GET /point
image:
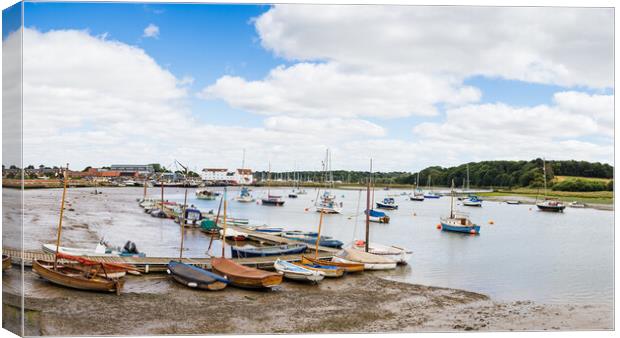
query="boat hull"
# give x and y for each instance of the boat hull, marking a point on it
(195, 277)
(347, 267)
(245, 277)
(331, 273)
(257, 252)
(386, 206)
(368, 266)
(473, 229)
(272, 203)
(72, 278)
(416, 198)
(551, 208)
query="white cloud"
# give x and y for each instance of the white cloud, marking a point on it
(330, 128)
(313, 90)
(151, 31)
(498, 131)
(564, 46)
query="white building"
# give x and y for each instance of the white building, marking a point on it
(224, 176)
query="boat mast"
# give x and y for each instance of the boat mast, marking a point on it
(224, 220)
(368, 207)
(183, 209)
(62, 210)
(144, 198)
(545, 177)
(243, 169)
(452, 200)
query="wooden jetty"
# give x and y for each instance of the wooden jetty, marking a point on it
(153, 264)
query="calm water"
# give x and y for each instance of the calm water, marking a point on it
(525, 254)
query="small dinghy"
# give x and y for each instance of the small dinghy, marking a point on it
(400, 255)
(243, 276)
(370, 261)
(513, 202)
(347, 267)
(576, 204)
(328, 270)
(195, 277)
(296, 272)
(74, 276)
(279, 250)
(378, 216)
(472, 201)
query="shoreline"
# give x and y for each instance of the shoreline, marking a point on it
(358, 303)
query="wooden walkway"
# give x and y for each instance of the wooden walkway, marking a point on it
(155, 264)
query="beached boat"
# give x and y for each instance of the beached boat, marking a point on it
(74, 277)
(243, 276)
(192, 217)
(297, 272)
(328, 270)
(6, 262)
(309, 239)
(100, 250)
(395, 253)
(472, 201)
(205, 194)
(458, 221)
(278, 250)
(387, 203)
(513, 202)
(370, 261)
(549, 204)
(195, 277)
(378, 216)
(347, 267)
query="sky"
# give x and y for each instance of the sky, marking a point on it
(409, 86)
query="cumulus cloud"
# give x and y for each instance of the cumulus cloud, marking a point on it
(496, 131)
(564, 46)
(151, 31)
(399, 61)
(307, 89)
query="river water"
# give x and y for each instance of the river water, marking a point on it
(525, 254)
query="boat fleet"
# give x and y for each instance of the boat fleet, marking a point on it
(75, 268)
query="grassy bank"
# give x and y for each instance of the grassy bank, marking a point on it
(597, 197)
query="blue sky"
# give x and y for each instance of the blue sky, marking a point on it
(212, 42)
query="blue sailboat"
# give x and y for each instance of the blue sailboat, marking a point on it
(457, 221)
(378, 216)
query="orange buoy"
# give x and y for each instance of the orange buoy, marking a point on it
(306, 209)
(438, 226)
(472, 231)
(414, 214)
(491, 222)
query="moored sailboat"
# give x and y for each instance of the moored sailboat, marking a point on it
(549, 204)
(457, 221)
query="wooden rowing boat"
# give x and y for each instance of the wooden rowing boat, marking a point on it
(328, 271)
(347, 267)
(297, 272)
(6, 262)
(243, 276)
(76, 278)
(195, 277)
(370, 261)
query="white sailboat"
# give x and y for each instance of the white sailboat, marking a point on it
(244, 194)
(327, 203)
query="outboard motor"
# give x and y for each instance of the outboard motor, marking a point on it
(130, 247)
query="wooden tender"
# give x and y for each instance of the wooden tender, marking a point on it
(348, 267)
(76, 278)
(243, 276)
(6, 262)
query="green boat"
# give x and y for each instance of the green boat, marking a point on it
(205, 195)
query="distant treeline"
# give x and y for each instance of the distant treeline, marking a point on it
(481, 174)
